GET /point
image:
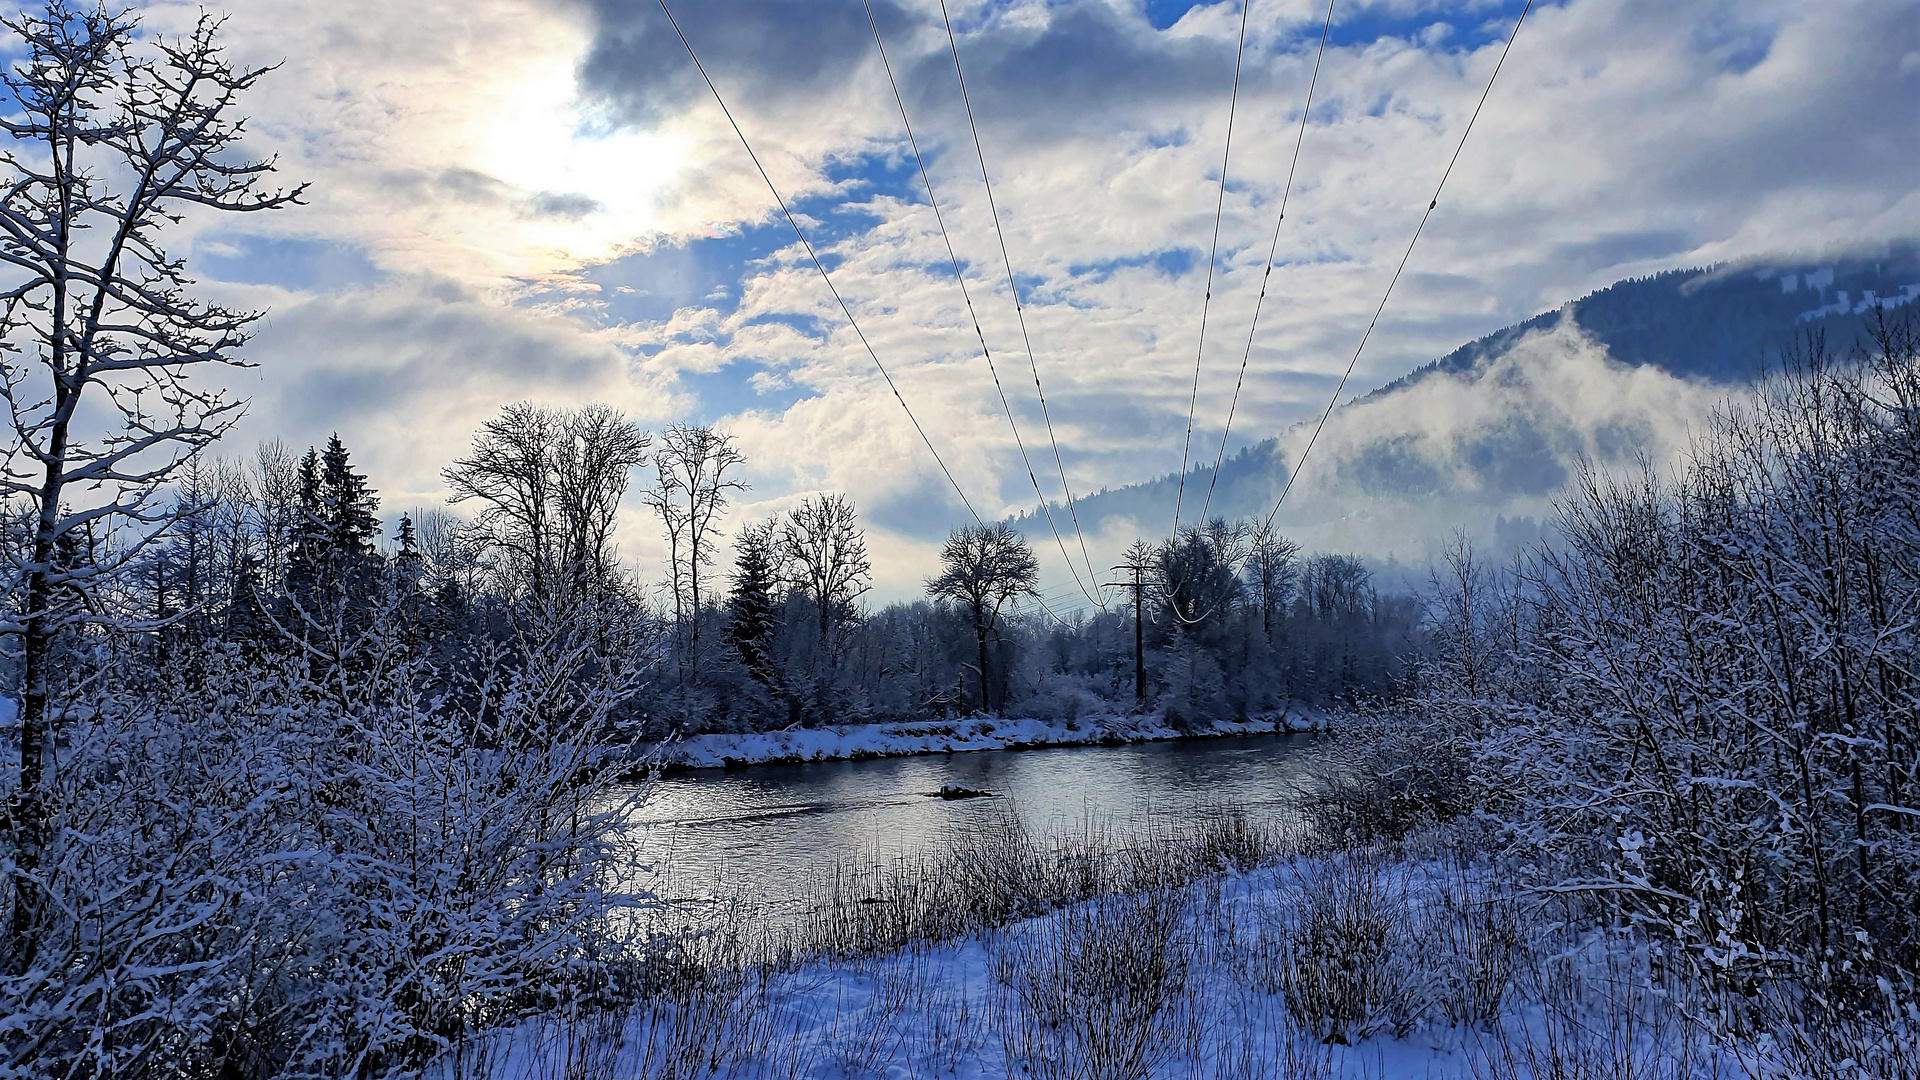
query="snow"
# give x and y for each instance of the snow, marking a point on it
(952, 1010)
(860, 741)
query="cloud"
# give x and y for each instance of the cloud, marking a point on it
(544, 202)
(1391, 474)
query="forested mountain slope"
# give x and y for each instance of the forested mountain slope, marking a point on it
(1493, 428)
(1720, 323)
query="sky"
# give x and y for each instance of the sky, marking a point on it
(540, 200)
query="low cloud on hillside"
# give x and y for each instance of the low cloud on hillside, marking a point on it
(1502, 440)
(1392, 475)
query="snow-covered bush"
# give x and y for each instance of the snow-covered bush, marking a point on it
(275, 869)
(1099, 990)
(1383, 775)
(1714, 732)
(1343, 960)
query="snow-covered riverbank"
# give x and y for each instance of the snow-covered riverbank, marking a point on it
(1318, 968)
(854, 742)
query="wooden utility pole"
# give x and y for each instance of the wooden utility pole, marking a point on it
(1139, 641)
(1137, 564)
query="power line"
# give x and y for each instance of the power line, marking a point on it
(824, 276)
(1272, 249)
(1019, 309)
(1199, 351)
(967, 295)
(1431, 205)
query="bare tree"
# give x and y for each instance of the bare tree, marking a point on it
(1272, 570)
(113, 138)
(549, 483)
(1462, 594)
(984, 569)
(510, 474)
(275, 493)
(827, 556)
(689, 494)
(593, 461)
(453, 555)
(1337, 585)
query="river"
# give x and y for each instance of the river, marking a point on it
(765, 834)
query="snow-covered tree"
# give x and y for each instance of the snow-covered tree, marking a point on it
(111, 139)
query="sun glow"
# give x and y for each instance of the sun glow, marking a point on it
(580, 191)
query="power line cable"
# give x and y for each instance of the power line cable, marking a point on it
(1272, 250)
(828, 278)
(967, 295)
(1431, 205)
(824, 276)
(1019, 309)
(1226, 154)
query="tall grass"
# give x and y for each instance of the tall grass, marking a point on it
(998, 871)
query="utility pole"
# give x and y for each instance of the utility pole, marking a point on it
(1136, 557)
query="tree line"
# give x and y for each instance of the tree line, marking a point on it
(285, 553)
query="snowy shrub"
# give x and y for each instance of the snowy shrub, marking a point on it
(1471, 937)
(1343, 959)
(1062, 697)
(265, 873)
(1099, 990)
(1602, 1014)
(1382, 776)
(1708, 722)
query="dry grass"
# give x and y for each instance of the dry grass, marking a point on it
(1099, 991)
(998, 871)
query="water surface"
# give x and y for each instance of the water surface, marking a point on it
(767, 833)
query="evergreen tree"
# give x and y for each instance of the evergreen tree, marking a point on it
(347, 504)
(408, 561)
(754, 605)
(243, 616)
(310, 531)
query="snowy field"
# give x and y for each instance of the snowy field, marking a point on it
(1316, 967)
(859, 741)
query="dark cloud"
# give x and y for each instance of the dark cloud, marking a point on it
(559, 206)
(1087, 63)
(755, 50)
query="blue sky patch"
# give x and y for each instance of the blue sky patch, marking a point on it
(288, 263)
(730, 391)
(710, 272)
(1164, 13)
(1171, 262)
(1449, 28)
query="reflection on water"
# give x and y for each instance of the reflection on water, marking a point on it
(764, 834)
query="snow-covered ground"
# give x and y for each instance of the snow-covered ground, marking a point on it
(860, 741)
(1204, 987)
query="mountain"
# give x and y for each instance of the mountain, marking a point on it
(1491, 432)
(1720, 323)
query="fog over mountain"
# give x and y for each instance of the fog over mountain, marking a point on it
(1486, 437)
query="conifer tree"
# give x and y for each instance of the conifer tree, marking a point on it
(408, 558)
(753, 605)
(309, 532)
(347, 504)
